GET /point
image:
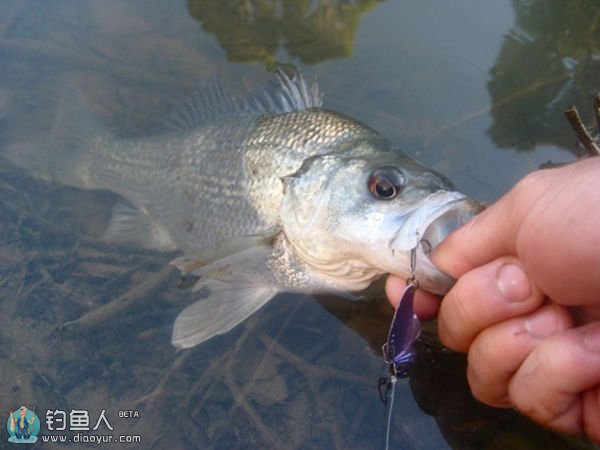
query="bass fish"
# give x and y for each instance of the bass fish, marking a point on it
(263, 193)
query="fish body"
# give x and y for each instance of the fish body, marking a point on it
(262, 194)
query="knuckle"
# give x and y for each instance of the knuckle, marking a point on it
(486, 388)
(531, 182)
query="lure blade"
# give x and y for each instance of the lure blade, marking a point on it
(404, 331)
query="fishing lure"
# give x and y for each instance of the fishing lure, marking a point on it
(398, 351)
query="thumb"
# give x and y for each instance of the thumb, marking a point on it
(550, 212)
(486, 237)
(492, 233)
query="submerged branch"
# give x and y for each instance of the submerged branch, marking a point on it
(104, 314)
(597, 111)
(581, 132)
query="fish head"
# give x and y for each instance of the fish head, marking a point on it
(356, 216)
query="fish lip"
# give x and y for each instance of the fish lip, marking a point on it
(458, 213)
(425, 239)
(414, 228)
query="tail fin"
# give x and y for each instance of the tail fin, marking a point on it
(66, 156)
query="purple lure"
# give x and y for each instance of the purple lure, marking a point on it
(398, 351)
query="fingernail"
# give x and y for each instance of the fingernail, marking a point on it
(591, 338)
(541, 324)
(513, 283)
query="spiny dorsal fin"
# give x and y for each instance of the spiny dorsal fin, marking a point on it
(283, 92)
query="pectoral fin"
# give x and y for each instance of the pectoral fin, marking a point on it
(235, 248)
(238, 280)
(226, 306)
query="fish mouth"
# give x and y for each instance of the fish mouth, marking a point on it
(426, 228)
(450, 218)
(446, 222)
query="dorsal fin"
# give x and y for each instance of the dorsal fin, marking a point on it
(283, 92)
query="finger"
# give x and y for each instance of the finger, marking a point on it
(591, 413)
(492, 233)
(426, 305)
(483, 297)
(527, 221)
(548, 385)
(498, 351)
(487, 236)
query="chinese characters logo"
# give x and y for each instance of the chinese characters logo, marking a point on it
(79, 420)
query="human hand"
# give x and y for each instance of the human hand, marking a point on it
(526, 306)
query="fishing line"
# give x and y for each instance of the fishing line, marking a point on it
(392, 382)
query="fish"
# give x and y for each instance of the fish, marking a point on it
(262, 193)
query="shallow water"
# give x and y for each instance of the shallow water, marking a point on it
(474, 91)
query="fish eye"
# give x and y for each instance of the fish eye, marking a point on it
(385, 183)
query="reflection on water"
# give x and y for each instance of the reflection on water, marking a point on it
(300, 373)
(550, 59)
(258, 30)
